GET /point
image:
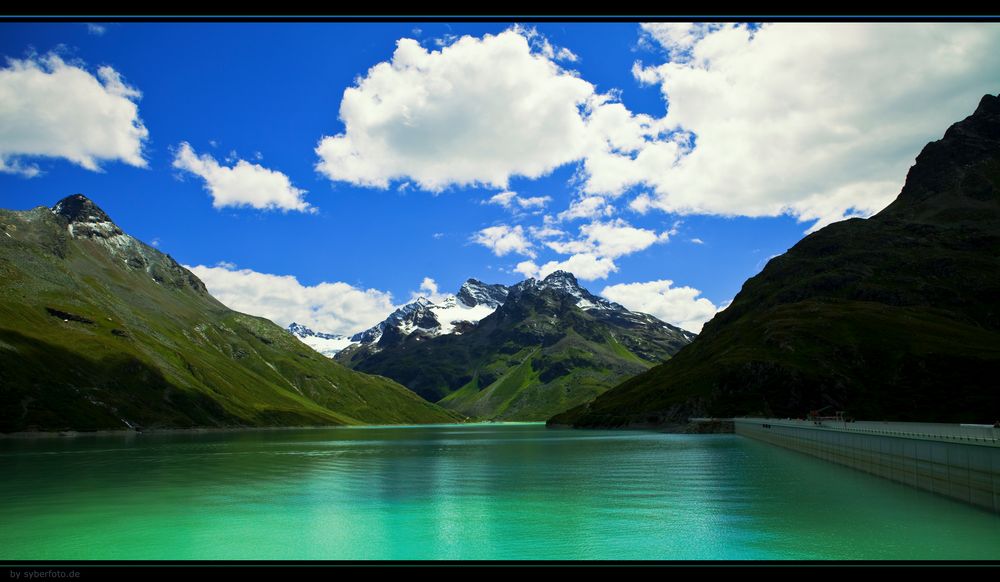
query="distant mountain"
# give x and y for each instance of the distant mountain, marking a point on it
(538, 348)
(896, 317)
(327, 344)
(101, 331)
(452, 315)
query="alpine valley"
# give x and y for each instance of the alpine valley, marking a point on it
(523, 352)
(101, 331)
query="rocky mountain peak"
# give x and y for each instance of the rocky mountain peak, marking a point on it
(475, 292)
(557, 276)
(562, 281)
(956, 179)
(79, 208)
(300, 330)
(988, 105)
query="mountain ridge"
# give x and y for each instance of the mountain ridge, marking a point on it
(101, 331)
(894, 317)
(549, 345)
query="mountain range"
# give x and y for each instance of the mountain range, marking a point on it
(101, 331)
(893, 317)
(522, 352)
(452, 314)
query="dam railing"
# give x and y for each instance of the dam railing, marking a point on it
(966, 433)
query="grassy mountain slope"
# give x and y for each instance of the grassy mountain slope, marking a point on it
(100, 331)
(896, 317)
(538, 354)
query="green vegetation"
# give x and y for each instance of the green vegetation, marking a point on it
(100, 331)
(537, 355)
(896, 317)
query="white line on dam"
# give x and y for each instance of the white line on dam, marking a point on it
(955, 460)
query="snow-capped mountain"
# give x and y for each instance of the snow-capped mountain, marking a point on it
(564, 283)
(327, 344)
(549, 345)
(452, 315)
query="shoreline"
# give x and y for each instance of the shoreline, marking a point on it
(69, 434)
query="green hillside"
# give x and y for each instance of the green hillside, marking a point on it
(100, 331)
(550, 346)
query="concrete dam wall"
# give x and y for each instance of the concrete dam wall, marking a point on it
(959, 461)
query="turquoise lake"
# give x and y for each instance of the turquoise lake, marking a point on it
(497, 492)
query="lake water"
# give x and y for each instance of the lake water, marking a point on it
(462, 492)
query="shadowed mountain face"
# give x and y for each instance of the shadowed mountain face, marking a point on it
(548, 346)
(100, 331)
(896, 317)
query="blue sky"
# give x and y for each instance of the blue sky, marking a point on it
(704, 150)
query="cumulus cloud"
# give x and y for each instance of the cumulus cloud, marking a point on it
(329, 307)
(95, 29)
(49, 108)
(586, 266)
(505, 199)
(476, 112)
(533, 202)
(587, 207)
(678, 38)
(428, 290)
(593, 251)
(610, 239)
(818, 120)
(680, 306)
(641, 204)
(547, 230)
(789, 118)
(243, 184)
(504, 239)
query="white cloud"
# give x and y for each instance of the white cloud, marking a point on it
(517, 204)
(678, 38)
(446, 40)
(328, 307)
(585, 266)
(15, 166)
(527, 268)
(815, 120)
(610, 239)
(505, 199)
(428, 290)
(541, 44)
(478, 111)
(680, 306)
(244, 184)
(587, 207)
(547, 230)
(503, 239)
(819, 120)
(593, 251)
(49, 108)
(534, 202)
(641, 204)
(697, 241)
(96, 29)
